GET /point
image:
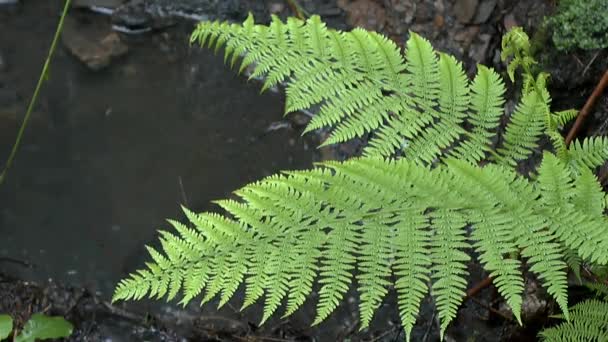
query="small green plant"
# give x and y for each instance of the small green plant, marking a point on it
(407, 214)
(38, 327)
(588, 319)
(580, 24)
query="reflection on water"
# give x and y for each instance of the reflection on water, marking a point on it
(109, 155)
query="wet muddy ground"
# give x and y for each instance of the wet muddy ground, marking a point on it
(111, 152)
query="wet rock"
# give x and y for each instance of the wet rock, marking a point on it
(364, 13)
(277, 7)
(299, 119)
(133, 17)
(97, 3)
(424, 12)
(8, 2)
(465, 10)
(93, 46)
(484, 11)
(400, 15)
(137, 16)
(3, 65)
(509, 21)
(467, 36)
(479, 51)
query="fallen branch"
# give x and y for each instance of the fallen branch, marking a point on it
(477, 288)
(296, 9)
(603, 83)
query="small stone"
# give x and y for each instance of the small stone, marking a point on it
(467, 35)
(97, 3)
(439, 21)
(277, 7)
(509, 21)
(479, 51)
(465, 10)
(364, 13)
(299, 119)
(3, 65)
(484, 11)
(92, 48)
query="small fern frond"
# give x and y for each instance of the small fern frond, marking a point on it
(557, 186)
(574, 262)
(516, 45)
(421, 81)
(590, 153)
(345, 72)
(588, 322)
(588, 196)
(486, 109)
(453, 101)
(563, 117)
(449, 248)
(600, 289)
(524, 130)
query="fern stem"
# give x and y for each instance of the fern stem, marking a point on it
(41, 79)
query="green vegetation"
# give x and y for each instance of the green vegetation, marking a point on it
(580, 24)
(408, 213)
(588, 319)
(39, 327)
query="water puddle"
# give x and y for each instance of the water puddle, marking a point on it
(110, 154)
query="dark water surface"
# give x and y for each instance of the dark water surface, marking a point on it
(109, 155)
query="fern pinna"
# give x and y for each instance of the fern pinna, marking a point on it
(405, 215)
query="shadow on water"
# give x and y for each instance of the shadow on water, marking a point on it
(110, 154)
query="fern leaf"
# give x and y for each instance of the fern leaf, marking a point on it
(422, 81)
(494, 225)
(453, 102)
(486, 106)
(524, 130)
(563, 117)
(557, 187)
(375, 267)
(589, 322)
(449, 271)
(411, 267)
(590, 153)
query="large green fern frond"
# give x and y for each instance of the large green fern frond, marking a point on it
(379, 217)
(375, 223)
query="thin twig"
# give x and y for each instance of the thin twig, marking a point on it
(296, 9)
(492, 310)
(41, 79)
(384, 334)
(590, 62)
(480, 286)
(428, 330)
(17, 261)
(181, 189)
(603, 83)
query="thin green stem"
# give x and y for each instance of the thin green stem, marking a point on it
(41, 79)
